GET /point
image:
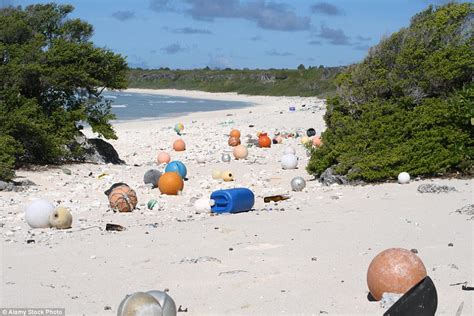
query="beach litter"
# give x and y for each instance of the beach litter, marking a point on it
(38, 212)
(122, 198)
(151, 177)
(163, 157)
(177, 166)
(225, 158)
(394, 270)
(310, 132)
(398, 279)
(152, 204)
(298, 184)
(151, 303)
(179, 145)
(275, 198)
(240, 152)
(60, 218)
(203, 205)
(403, 178)
(434, 188)
(420, 300)
(114, 227)
(170, 183)
(232, 200)
(289, 161)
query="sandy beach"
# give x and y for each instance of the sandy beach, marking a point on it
(307, 255)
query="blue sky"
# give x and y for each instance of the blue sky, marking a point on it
(252, 34)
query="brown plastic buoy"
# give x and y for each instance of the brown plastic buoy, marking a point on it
(394, 270)
(234, 141)
(123, 198)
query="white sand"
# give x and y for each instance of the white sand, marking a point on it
(306, 255)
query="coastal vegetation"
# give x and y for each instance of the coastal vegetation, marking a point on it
(408, 106)
(310, 81)
(50, 72)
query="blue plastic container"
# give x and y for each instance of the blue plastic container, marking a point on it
(177, 166)
(232, 200)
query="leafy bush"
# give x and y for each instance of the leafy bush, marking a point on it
(408, 105)
(51, 78)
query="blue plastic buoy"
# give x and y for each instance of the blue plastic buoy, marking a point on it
(177, 166)
(232, 200)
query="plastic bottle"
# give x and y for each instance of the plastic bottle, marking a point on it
(232, 200)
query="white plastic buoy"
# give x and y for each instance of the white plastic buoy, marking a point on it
(37, 213)
(289, 161)
(403, 178)
(203, 205)
(289, 150)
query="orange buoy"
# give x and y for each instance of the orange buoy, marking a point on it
(317, 141)
(179, 145)
(235, 133)
(170, 183)
(264, 140)
(394, 270)
(163, 157)
(123, 198)
(234, 141)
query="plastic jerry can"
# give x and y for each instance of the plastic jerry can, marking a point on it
(232, 200)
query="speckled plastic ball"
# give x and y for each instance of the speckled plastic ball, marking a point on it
(298, 184)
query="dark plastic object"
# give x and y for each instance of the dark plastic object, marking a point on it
(311, 132)
(420, 300)
(232, 200)
(113, 187)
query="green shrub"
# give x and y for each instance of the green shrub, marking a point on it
(408, 105)
(51, 79)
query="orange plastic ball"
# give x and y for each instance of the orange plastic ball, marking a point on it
(233, 141)
(170, 183)
(163, 157)
(394, 270)
(264, 140)
(235, 133)
(317, 141)
(179, 145)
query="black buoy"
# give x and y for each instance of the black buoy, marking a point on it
(420, 300)
(311, 132)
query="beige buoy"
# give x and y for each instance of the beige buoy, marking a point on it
(139, 304)
(216, 174)
(227, 176)
(240, 152)
(60, 218)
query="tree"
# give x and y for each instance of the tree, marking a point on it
(51, 79)
(407, 106)
(301, 67)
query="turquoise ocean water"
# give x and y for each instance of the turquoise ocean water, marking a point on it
(133, 106)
